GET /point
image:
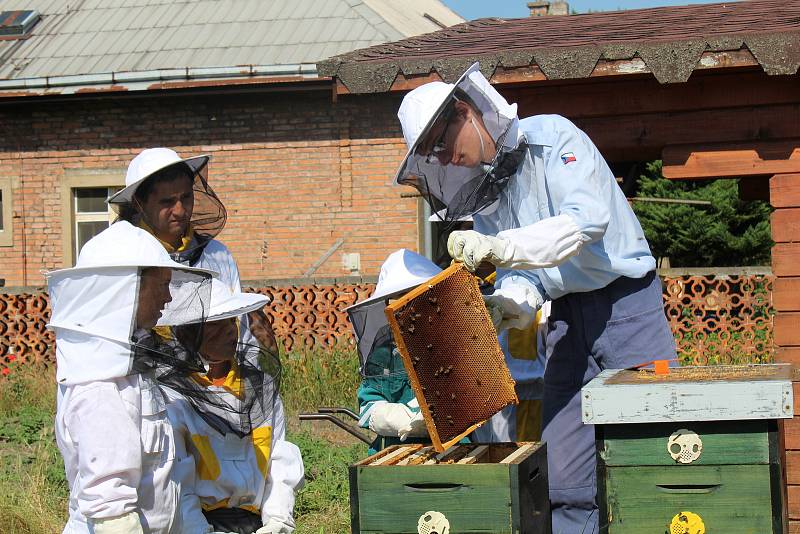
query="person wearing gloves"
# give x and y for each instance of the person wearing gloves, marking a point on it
(230, 419)
(549, 215)
(111, 425)
(386, 401)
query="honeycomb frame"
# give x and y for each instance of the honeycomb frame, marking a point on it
(459, 375)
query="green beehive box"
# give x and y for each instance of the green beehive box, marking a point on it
(700, 447)
(499, 488)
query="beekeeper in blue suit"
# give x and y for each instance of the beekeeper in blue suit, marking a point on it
(549, 215)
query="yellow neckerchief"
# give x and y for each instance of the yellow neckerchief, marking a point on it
(185, 240)
(232, 382)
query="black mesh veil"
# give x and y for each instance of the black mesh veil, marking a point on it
(208, 219)
(374, 339)
(457, 193)
(243, 401)
(187, 301)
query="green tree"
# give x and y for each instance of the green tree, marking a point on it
(729, 232)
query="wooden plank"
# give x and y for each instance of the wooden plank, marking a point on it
(732, 160)
(791, 433)
(786, 293)
(394, 456)
(416, 458)
(442, 455)
(794, 501)
(578, 99)
(786, 259)
(784, 190)
(639, 137)
(786, 331)
(794, 527)
(785, 224)
(474, 455)
(793, 467)
(788, 355)
(512, 458)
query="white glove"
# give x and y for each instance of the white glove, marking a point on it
(275, 526)
(415, 429)
(388, 418)
(124, 524)
(471, 248)
(513, 306)
(547, 243)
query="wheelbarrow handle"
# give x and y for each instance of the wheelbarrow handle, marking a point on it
(341, 424)
(338, 410)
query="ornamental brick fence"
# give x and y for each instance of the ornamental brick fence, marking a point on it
(717, 316)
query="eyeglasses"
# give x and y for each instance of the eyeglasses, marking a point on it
(438, 145)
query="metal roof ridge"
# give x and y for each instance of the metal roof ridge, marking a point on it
(305, 70)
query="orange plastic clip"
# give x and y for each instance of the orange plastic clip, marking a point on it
(661, 367)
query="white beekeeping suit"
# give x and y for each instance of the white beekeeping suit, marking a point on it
(111, 424)
(233, 425)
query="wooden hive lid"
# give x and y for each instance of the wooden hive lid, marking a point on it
(710, 393)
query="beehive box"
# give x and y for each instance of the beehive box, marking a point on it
(499, 489)
(451, 352)
(697, 446)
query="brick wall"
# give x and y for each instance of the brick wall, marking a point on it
(295, 171)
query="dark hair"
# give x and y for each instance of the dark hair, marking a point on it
(128, 211)
(167, 174)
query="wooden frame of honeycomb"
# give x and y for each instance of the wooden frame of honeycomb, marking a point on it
(451, 352)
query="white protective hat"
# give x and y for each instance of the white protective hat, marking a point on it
(94, 303)
(402, 270)
(226, 303)
(422, 106)
(147, 163)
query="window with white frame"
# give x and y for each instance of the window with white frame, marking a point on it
(84, 212)
(90, 213)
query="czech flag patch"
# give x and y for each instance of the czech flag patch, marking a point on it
(568, 157)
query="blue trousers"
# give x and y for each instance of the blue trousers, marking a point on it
(618, 326)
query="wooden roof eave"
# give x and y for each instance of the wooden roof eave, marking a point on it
(533, 73)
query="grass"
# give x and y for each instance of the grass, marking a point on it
(33, 488)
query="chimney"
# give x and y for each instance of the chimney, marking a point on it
(544, 8)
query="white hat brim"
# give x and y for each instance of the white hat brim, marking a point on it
(144, 265)
(238, 304)
(427, 128)
(124, 195)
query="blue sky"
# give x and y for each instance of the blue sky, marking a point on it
(475, 9)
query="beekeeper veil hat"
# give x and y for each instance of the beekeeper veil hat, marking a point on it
(112, 312)
(402, 271)
(458, 192)
(154, 164)
(245, 398)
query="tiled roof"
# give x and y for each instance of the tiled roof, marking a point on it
(670, 41)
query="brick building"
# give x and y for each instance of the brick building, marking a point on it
(83, 89)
